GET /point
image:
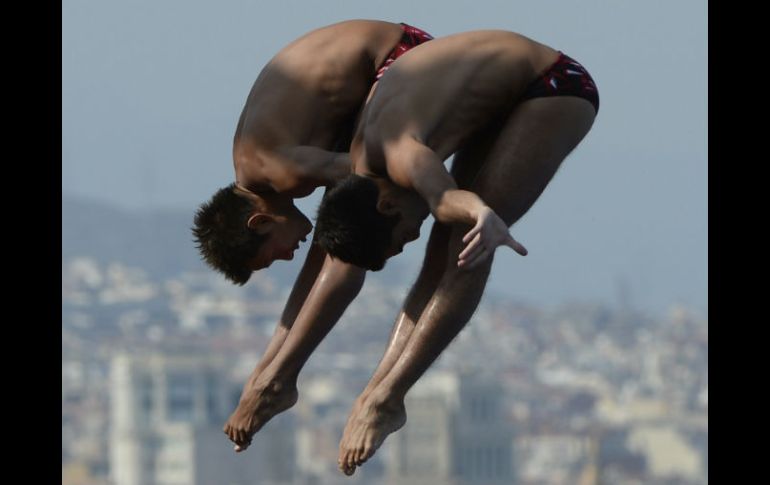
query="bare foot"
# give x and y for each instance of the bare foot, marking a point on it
(259, 403)
(357, 405)
(369, 423)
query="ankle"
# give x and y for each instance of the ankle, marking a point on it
(276, 383)
(385, 399)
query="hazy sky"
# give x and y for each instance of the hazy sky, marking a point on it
(152, 91)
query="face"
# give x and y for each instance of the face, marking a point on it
(411, 210)
(285, 227)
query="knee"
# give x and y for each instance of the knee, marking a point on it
(465, 277)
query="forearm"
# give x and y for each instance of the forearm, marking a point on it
(302, 286)
(322, 167)
(307, 277)
(457, 206)
(416, 166)
(335, 288)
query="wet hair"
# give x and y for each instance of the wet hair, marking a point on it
(349, 226)
(223, 237)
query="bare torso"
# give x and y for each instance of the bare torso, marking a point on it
(309, 94)
(441, 92)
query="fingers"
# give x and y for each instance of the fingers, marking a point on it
(476, 229)
(516, 245)
(476, 260)
(471, 247)
(477, 251)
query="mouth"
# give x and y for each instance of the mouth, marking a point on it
(287, 254)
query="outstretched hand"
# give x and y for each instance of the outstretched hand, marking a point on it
(489, 232)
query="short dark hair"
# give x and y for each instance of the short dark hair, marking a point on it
(222, 234)
(349, 226)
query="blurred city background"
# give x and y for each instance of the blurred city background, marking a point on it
(586, 362)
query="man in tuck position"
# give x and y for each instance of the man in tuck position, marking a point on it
(511, 110)
(292, 137)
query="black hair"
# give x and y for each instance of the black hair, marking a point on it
(221, 231)
(349, 226)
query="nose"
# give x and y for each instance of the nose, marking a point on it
(307, 230)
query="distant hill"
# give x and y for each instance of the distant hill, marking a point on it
(160, 242)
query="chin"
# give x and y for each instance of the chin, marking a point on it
(377, 266)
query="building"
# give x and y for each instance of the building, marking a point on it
(167, 414)
(456, 433)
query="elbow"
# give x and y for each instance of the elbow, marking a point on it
(440, 211)
(282, 185)
(436, 207)
(440, 216)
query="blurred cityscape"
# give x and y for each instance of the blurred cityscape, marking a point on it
(581, 393)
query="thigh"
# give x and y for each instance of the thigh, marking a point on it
(468, 160)
(526, 152)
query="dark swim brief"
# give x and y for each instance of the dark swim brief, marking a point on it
(565, 77)
(411, 37)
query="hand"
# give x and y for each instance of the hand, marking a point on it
(489, 232)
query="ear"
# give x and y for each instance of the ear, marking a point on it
(262, 223)
(386, 206)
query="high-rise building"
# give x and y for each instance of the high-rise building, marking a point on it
(167, 414)
(456, 434)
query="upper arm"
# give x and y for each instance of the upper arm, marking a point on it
(314, 165)
(412, 165)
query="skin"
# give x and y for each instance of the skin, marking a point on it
(292, 137)
(456, 94)
(303, 105)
